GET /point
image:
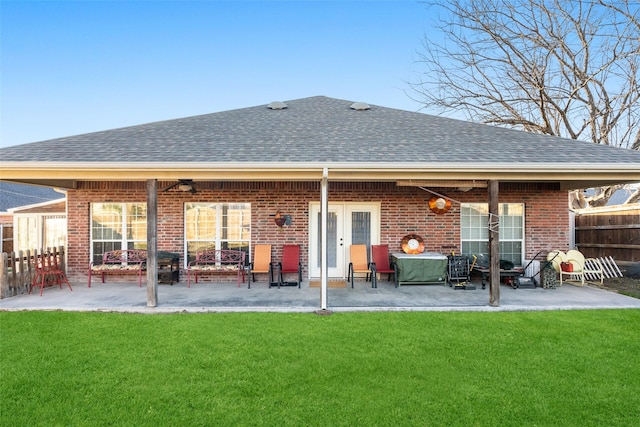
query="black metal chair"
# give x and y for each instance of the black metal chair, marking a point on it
(458, 269)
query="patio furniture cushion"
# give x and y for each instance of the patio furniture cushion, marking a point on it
(213, 267)
(261, 262)
(382, 264)
(101, 267)
(120, 261)
(217, 261)
(360, 264)
(290, 264)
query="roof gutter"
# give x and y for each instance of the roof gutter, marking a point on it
(570, 175)
(319, 166)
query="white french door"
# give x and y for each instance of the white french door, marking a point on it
(347, 224)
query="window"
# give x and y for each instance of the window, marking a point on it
(6, 232)
(217, 226)
(37, 231)
(474, 231)
(27, 233)
(55, 231)
(117, 226)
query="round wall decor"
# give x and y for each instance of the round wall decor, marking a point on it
(412, 244)
(439, 205)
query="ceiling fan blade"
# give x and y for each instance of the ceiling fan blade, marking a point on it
(171, 186)
(183, 182)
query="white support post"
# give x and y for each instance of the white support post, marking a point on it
(324, 266)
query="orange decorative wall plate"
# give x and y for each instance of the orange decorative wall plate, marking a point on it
(412, 244)
(439, 205)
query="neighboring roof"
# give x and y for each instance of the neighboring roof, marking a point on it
(18, 195)
(316, 133)
(617, 198)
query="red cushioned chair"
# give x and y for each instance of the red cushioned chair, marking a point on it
(381, 263)
(290, 264)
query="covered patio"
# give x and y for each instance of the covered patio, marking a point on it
(228, 297)
(344, 173)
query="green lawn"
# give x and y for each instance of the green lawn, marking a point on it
(392, 368)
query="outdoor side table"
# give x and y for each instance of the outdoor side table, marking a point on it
(424, 268)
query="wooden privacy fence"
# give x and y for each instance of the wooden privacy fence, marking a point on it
(609, 232)
(18, 270)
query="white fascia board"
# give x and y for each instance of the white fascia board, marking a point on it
(502, 166)
(35, 205)
(309, 170)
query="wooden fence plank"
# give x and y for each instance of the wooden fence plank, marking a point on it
(17, 270)
(611, 232)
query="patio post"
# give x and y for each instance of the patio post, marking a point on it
(494, 247)
(152, 243)
(324, 266)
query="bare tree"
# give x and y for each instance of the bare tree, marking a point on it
(569, 68)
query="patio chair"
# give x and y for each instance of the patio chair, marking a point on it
(48, 272)
(261, 263)
(458, 269)
(360, 264)
(381, 263)
(290, 264)
(557, 258)
(582, 267)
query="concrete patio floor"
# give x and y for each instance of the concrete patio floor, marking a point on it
(227, 297)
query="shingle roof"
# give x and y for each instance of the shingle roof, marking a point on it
(15, 195)
(317, 129)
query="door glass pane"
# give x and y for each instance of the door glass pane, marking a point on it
(361, 228)
(332, 239)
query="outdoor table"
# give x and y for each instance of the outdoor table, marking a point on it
(510, 274)
(424, 268)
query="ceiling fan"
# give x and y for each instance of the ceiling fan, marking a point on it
(183, 185)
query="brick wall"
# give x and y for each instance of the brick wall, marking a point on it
(403, 210)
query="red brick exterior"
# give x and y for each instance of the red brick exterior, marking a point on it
(6, 219)
(403, 210)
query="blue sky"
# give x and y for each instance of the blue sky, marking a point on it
(71, 67)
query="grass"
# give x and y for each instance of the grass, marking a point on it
(393, 368)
